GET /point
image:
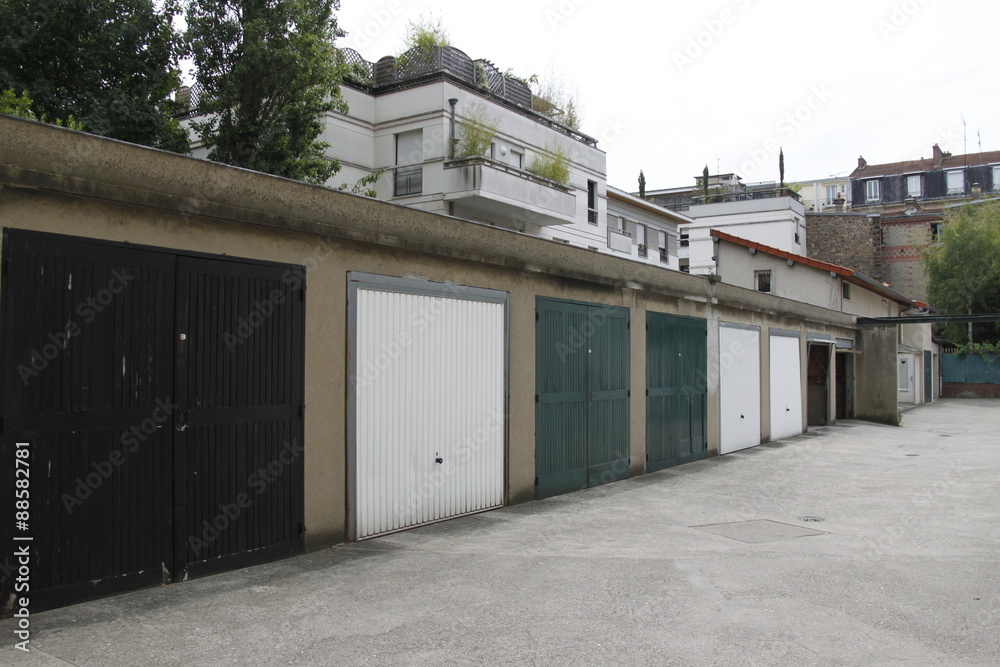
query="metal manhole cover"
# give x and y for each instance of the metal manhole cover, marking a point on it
(758, 530)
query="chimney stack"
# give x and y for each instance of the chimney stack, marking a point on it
(938, 156)
(861, 163)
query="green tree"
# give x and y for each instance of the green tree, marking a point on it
(13, 104)
(642, 185)
(268, 72)
(425, 33)
(112, 66)
(963, 271)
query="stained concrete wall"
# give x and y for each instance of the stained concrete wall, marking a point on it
(876, 375)
(65, 182)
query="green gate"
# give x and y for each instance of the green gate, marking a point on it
(676, 390)
(582, 396)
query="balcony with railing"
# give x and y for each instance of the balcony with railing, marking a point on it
(499, 190)
(421, 64)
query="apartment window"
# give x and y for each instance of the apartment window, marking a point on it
(832, 193)
(640, 238)
(762, 281)
(409, 174)
(685, 239)
(845, 290)
(592, 202)
(913, 188)
(935, 232)
(956, 182)
(872, 191)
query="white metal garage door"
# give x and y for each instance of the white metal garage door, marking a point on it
(428, 398)
(786, 385)
(739, 387)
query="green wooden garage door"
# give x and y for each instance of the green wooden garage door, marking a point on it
(676, 390)
(582, 396)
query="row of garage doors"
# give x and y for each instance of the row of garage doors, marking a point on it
(162, 394)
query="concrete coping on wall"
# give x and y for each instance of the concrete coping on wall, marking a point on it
(44, 157)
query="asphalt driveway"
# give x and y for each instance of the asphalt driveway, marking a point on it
(853, 545)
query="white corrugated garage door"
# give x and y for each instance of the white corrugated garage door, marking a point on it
(428, 398)
(739, 387)
(786, 385)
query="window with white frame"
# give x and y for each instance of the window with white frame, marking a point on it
(832, 192)
(996, 179)
(955, 182)
(409, 174)
(640, 238)
(872, 191)
(913, 186)
(762, 281)
(592, 202)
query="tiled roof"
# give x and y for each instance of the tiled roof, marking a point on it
(850, 275)
(927, 164)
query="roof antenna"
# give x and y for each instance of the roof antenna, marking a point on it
(965, 142)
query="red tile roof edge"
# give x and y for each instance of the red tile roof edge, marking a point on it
(847, 274)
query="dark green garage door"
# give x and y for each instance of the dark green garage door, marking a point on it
(676, 390)
(582, 396)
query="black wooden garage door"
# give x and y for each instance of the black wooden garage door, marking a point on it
(160, 396)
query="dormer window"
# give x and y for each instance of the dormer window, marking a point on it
(956, 182)
(872, 191)
(913, 188)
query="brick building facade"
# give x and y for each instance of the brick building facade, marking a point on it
(885, 247)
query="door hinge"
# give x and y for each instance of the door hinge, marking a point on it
(536, 315)
(647, 392)
(302, 411)
(302, 294)
(628, 394)
(302, 529)
(6, 265)
(536, 398)
(536, 481)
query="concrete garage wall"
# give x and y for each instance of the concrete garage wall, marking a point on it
(876, 383)
(59, 181)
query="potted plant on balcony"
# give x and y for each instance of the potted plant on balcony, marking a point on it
(479, 127)
(552, 164)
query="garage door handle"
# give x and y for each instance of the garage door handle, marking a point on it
(439, 460)
(788, 409)
(742, 417)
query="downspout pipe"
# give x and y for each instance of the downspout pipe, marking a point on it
(451, 146)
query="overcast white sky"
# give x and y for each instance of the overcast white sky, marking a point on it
(672, 86)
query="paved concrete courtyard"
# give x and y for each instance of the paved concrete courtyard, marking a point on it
(718, 562)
